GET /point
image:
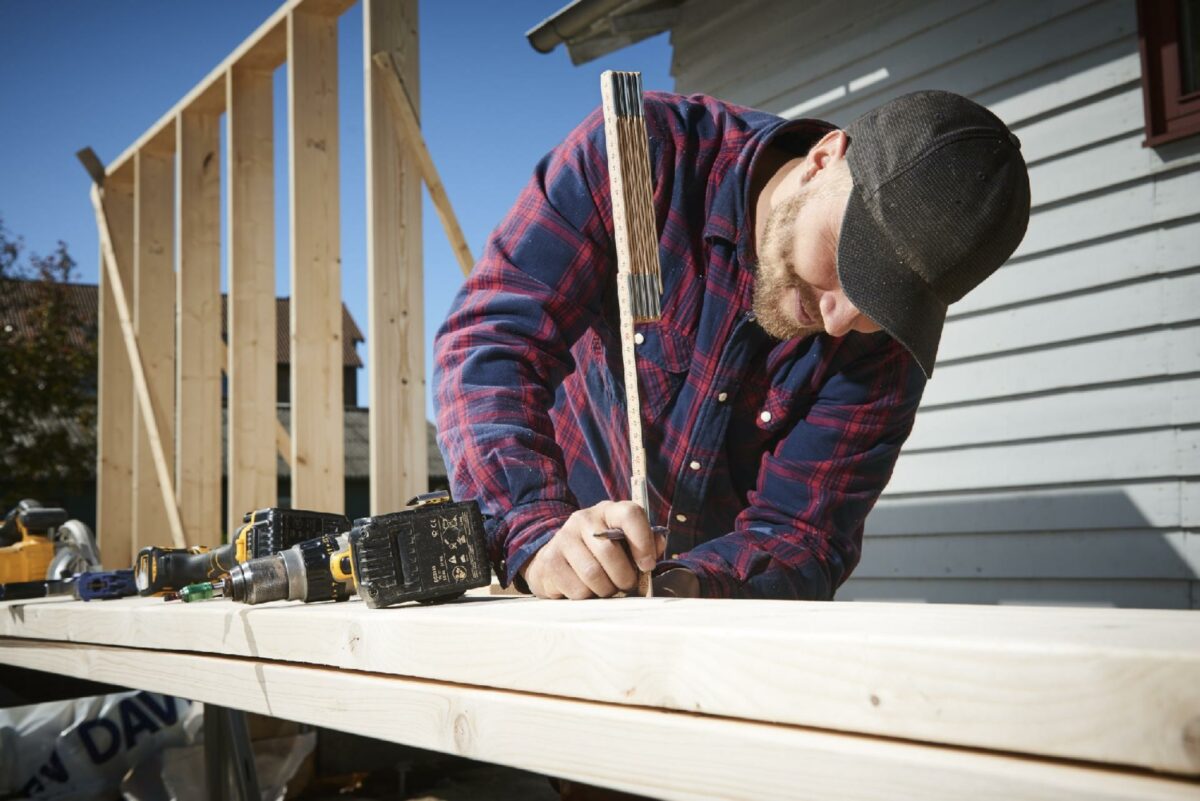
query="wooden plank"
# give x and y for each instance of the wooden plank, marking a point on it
(1088, 555)
(198, 323)
(141, 390)
(153, 306)
(1124, 160)
(1065, 82)
(262, 49)
(989, 677)
(1167, 301)
(395, 282)
(1126, 357)
(114, 427)
(1152, 405)
(670, 756)
(318, 461)
(1160, 250)
(1157, 454)
(1103, 506)
(1120, 593)
(410, 136)
(250, 134)
(1075, 127)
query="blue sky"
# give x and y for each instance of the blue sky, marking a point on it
(78, 73)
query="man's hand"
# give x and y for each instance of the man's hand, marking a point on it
(574, 564)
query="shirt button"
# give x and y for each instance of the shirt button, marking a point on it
(674, 556)
(681, 518)
(722, 397)
(638, 338)
(765, 417)
(694, 465)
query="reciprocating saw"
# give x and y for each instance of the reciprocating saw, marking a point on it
(431, 551)
(265, 531)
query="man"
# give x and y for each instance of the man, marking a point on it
(806, 275)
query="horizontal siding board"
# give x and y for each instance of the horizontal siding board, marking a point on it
(1105, 117)
(1124, 457)
(1130, 593)
(1120, 209)
(1141, 356)
(1141, 554)
(970, 54)
(1124, 160)
(1114, 507)
(1155, 251)
(1159, 404)
(1168, 301)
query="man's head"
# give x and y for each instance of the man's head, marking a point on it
(890, 221)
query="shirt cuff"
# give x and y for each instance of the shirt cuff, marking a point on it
(535, 523)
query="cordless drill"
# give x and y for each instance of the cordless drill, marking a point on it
(265, 531)
(431, 551)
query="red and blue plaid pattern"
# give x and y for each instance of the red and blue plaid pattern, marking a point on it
(764, 457)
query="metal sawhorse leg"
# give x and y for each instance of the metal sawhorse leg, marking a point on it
(228, 758)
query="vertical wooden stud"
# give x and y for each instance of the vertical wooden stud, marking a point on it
(198, 323)
(252, 344)
(114, 446)
(154, 322)
(396, 350)
(318, 460)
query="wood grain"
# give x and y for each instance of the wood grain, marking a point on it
(395, 278)
(1103, 685)
(648, 751)
(250, 134)
(317, 421)
(198, 323)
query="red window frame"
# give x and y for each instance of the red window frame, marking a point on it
(1170, 113)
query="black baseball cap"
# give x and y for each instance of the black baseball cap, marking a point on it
(940, 201)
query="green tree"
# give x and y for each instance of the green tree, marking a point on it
(47, 376)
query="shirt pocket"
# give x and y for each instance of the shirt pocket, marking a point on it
(663, 358)
(782, 408)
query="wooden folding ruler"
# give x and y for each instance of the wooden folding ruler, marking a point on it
(639, 276)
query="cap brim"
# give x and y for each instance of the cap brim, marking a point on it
(876, 280)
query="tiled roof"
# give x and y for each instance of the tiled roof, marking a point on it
(84, 298)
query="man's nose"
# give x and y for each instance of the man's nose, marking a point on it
(839, 314)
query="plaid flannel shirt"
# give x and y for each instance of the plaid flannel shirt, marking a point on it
(764, 457)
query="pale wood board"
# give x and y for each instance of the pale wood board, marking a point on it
(251, 364)
(114, 428)
(317, 422)
(666, 755)
(1110, 686)
(141, 389)
(153, 305)
(395, 279)
(198, 327)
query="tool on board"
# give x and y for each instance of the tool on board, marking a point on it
(431, 551)
(39, 543)
(90, 586)
(639, 275)
(265, 532)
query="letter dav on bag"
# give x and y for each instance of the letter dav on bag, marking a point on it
(80, 749)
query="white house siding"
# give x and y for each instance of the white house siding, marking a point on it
(1056, 455)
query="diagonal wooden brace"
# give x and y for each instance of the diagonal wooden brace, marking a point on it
(141, 388)
(410, 129)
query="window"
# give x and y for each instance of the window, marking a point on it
(1169, 38)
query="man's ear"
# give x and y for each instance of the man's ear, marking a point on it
(829, 150)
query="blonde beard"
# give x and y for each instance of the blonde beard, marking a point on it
(773, 281)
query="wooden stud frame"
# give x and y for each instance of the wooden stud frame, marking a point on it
(161, 200)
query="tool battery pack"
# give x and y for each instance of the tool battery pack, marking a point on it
(270, 531)
(433, 551)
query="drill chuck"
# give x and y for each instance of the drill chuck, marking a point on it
(301, 573)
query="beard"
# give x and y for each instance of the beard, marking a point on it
(777, 288)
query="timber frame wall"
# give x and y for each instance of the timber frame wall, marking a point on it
(159, 220)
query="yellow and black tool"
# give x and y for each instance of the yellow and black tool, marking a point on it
(266, 532)
(26, 537)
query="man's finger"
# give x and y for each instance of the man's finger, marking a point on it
(631, 518)
(614, 558)
(588, 569)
